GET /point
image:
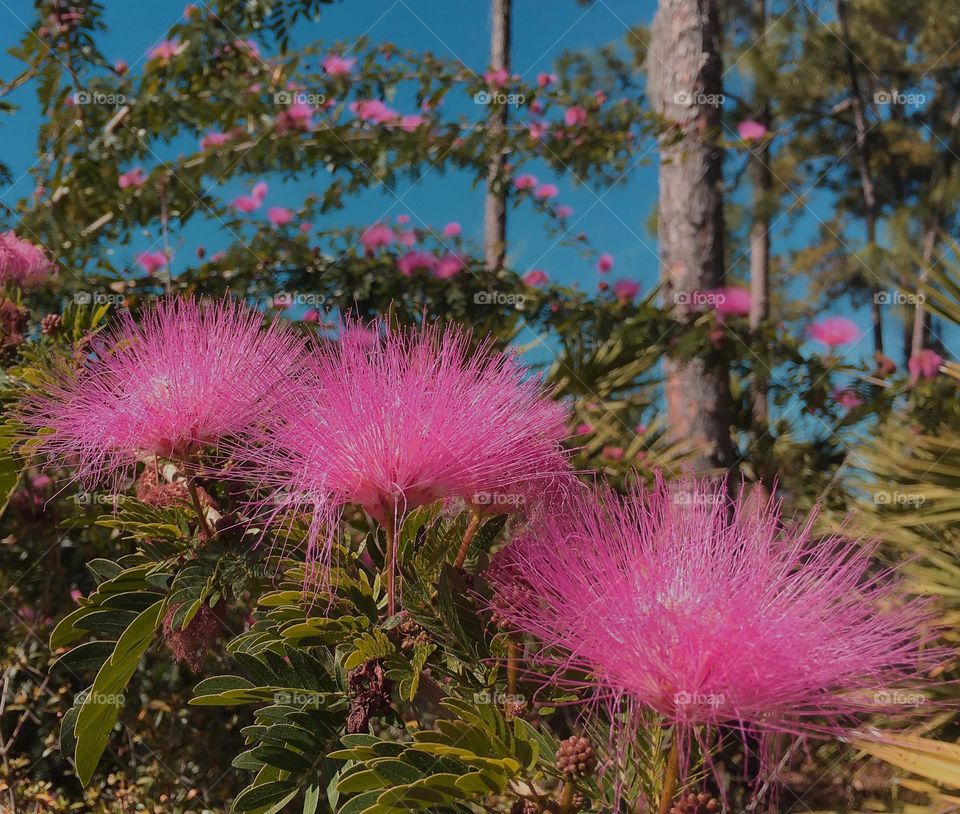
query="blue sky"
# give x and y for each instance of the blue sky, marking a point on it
(614, 218)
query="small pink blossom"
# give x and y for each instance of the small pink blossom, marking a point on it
(546, 191)
(496, 77)
(298, 117)
(279, 215)
(538, 130)
(545, 79)
(414, 261)
(563, 211)
(132, 178)
(376, 237)
(411, 122)
(452, 229)
(245, 203)
(574, 116)
(613, 453)
(526, 181)
(626, 290)
(583, 428)
(213, 139)
(403, 220)
(731, 301)
(447, 266)
(846, 398)
(834, 331)
(260, 190)
(152, 262)
(605, 263)
(337, 65)
(407, 238)
(165, 50)
(751, 130)
(535, 277)
(373, 110)
(120, 67)
(924, 364)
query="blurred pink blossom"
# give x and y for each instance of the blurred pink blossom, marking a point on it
(605, 263)
(132, 178)
(337, 65)
(751, 130)
(165, 50)
(452, 229)
(376, 237)
(574, 116)
(413, 261)
(535, 277)
(545, 191)
(279, 215)
(625, 290)
(152, 262)
(924, 364)
(448, 266)
(525, 181)
(834, 331)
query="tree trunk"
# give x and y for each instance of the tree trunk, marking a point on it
(863, 167)
(762, 181)
(685, 87)
(920, 335)
(495, 204)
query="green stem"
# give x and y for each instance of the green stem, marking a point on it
(670, 776)
(468, 536)
(391, 568)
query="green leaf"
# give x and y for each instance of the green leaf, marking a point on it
(266, 797)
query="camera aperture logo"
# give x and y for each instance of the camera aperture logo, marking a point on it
(299, 97)
(96, 97)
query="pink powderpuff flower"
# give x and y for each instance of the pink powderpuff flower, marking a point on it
(403, 220)
(452, 229)
(407, 238)
(846, 398)
(563, 211)
(496, 77)
(410, 123)
(22, 264)
(574, 116)
(297, 118)
(191, 372)
(246, 203)
(259, 191)
(279, 215)
(535, 277)
(545, 79)
(834, 331)
(583, 428)
(546, 191)
(391, 419)
(626, 290)
(449, 265)
(925, 364)
(715, 613)
(413, 261)
(613, 453)
(751, 130)
(213, 139)
(538, 130)
(376, 237)
(120, 67)
(165, 50)
(132, 178)
(731, 301)
(337, 65)
(152, 262)
(373, 110)
(525, 181)
(605, 263)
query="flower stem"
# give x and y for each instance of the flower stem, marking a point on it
(198, 507)
(468, 536)
(513, 661)
(670, 776)
(391, 568)
(566, 796)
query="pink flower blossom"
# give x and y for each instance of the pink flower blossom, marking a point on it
(538, 130)
(545, 79)
(574, 116)
(448, 265)
(496, 77)
(413, 261)
(409, 418)
(925, 364)
(535, 277)
(259, 191)
(376, 237)
(613, 453)
(546, 191)
(373, 110)
(834, 331)
(564, 211)
(189, 374)
(132, 178)
(731, 301)
(715, 614)
(213, 139)
(120, 67)
(245, 203)
(605, 263)
(525, 181)
(846, 398)
(152, 262)
(279, 215)
(407, 238)
(452, 229)
(751, 130)
(165, 50)
(296, 118)
(625, 290)
(583, 428)
(411, 122)
(403, 220)
(22, 264)
(337, 65)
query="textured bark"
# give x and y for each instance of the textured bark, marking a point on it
(863, 165)
(762, 181)
(495, 204)
(685, 87)
(920, 334)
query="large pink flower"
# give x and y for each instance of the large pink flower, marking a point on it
(337, 65)
(22, 263)
(834, 331)
(925, 364)
(712, 612)
(392, 419)
(190, 373)
(731, 301)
